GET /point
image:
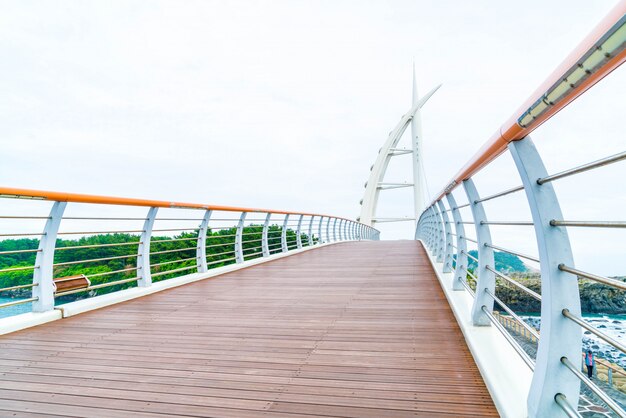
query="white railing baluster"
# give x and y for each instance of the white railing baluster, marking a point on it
(559, 290)
(239, 238)
(440, 238)
(447, 257)
(461, 245)
(143, 252)
(201, 244)
(43, 272)
(327, 230)
(310, 237)
(283, 235)
(486, 278)
(264, 238)
(299, 232)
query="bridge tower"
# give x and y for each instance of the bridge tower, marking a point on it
(376, 182)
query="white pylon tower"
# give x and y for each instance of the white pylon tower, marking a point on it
(376, 181)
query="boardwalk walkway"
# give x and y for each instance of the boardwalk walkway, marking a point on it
(353, 330)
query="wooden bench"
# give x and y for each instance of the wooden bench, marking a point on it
(65, 284)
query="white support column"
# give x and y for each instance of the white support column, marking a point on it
(299, 232)
(461, 245)
(264, 240)
(43, 272)
(283, 235)
(560, 337)
(320, 240)
(310, 237)
(239, 238)
(201, 244)
(416, 157)
(447, 254)
(486, 278)
(373, 185)
(143, 252)
(334, 229)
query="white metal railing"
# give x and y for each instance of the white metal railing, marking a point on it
(188, 238)
(557, 378)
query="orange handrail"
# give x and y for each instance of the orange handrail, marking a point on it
(126, 201)
(512, 130)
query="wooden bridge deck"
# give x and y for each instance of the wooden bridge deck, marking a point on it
(351, 330)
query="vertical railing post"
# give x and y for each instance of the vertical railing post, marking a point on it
(265, 246)
(334, 229)
(486, 278)
(447, 257)
(298, 232)
(440, 240)
(310, 237)
(239, 238)
(143, 252)
(328, 230)
(424, 228)
(201, 243)
(283, 235)
(460, 273)
(338, 225)
(429, 230)
(560, 337)
(320, 238)
(434, 232)
(43, 272)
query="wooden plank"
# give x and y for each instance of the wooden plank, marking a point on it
(355, 329)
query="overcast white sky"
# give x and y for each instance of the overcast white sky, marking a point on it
(284, 104)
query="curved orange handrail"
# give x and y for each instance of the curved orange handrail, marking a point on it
(512, 131)
(126, 201)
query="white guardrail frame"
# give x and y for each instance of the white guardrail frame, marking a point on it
(43, 286)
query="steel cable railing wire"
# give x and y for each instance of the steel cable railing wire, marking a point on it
(111, 259)
(598, 54)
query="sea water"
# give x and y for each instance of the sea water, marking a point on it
(612, 325)
(13, 310)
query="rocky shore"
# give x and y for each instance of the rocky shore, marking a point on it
(595, 298)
